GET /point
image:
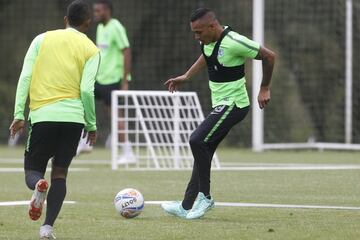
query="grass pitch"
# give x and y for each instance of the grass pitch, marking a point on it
(93, 216)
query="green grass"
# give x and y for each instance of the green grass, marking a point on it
(94, 217)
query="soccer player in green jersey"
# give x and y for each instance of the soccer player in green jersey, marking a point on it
(58, 76)
(223, 54)
(115, 66)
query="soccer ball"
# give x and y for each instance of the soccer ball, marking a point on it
(129, 202)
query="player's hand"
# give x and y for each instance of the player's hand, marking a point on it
(174, 83)
(16, 126)
(91, 137)
(264, 97)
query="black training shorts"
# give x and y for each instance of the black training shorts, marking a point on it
(103, 92)
(57, 140)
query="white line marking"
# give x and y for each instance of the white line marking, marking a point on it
(261, 164)
(75, 161)
(263, 168)
(16, 170)
(264, 205)
(294, 168)
(226, 166)
(222, 204)
(20, 203)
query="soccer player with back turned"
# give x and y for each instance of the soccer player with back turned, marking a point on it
(58, 75)
(223, 54)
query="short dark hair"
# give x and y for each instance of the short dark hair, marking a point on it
(199, 13)
(78, 12)
(107, 3)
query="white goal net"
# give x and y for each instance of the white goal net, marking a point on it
(157, 127)
(315, 92)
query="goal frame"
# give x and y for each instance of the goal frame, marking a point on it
(133, 94)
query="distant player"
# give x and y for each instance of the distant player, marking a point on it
(223, 54)
(115, 66)
(58, 75)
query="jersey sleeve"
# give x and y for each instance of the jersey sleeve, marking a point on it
(22, 90)
(243, 46)
(87, 91)
(119, 36)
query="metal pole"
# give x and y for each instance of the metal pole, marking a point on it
(176, 122)
(348, 72)
(114, 130)
(257, 113)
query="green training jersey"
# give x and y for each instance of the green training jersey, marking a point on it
(111, 39)
(77, 110)
(233, 51)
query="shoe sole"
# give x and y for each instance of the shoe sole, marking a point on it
(47, 238)
(34, 212)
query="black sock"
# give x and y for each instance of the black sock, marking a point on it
(32, 177)
(187, 204)
(55, 200)
(208, 196)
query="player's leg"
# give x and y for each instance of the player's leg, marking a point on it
(127, 153)
(106, 98)
(55, 199)
(204, 142)
(192, 189)
(127, 156)
(39, 149)
(231, 116)
(182, 208)
(68, 136)
(32, 177)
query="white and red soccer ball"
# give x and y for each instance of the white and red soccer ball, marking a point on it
(129, 202)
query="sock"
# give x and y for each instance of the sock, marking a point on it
(127, 148)
(32, 177)
(208, 197)
(55, 200)
(187, 205)
(188, 202)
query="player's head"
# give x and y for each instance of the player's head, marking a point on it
(102, 10)
(204, 24)
(78, 15)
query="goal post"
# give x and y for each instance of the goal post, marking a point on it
(157, 127)
(257, 113)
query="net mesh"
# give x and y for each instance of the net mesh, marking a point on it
(308, 97)
(158, 126)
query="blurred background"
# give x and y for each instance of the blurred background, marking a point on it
(308, 87)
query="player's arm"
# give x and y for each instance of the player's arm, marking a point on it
(87, 95)
(127, 68)
(122, 42)
(268, 60)
(245, 47)
(173, 83)
(23, 86)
